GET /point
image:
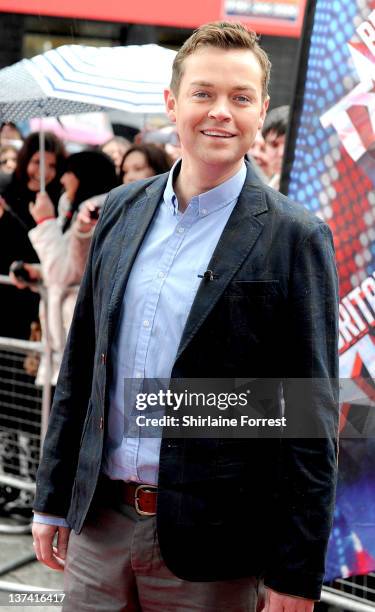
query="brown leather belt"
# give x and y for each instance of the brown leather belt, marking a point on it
(142, 497)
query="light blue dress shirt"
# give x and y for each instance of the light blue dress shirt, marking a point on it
(159, 294)
(161, 288)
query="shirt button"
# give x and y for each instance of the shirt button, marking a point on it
(161, 275)
(181, 230)
(103, 358)
(146, 323)
(204, 211)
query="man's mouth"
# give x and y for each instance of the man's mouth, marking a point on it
(217, 134)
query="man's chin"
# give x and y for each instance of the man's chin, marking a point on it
(223, 162)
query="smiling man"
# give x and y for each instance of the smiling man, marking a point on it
(201, 273)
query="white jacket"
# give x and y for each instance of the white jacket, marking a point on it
(63, 259)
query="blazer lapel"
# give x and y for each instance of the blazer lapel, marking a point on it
(238, 238)
(136, 221)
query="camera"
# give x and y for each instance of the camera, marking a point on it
(94, 214)
(20, 272)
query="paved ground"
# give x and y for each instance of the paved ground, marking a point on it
(15, 547)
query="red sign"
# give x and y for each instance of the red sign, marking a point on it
(275, 17)
(169, 12)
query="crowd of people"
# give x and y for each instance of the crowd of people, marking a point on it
(48, 235)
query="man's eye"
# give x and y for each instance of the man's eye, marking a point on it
(243, 99)
(200, 94)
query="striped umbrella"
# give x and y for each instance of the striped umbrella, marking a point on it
(75, 78)
(81, 79)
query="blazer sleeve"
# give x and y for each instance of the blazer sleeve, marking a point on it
(308, 466)
(72, 403)
(58, 465)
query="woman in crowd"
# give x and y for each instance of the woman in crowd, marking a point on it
(15, 221)
(9, 133)
(116, 148)
(8, 158)
(62, 242)
(143, 161)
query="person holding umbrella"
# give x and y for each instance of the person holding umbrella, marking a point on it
(62, 242)
(15, 221)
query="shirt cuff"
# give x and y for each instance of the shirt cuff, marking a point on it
(46, 218)
(57, 521)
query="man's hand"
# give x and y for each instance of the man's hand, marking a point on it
(279, 602)
(52, 556)
(42, 208)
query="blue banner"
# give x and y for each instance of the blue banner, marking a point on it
(330, 169)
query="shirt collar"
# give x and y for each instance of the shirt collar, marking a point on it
(211, 200)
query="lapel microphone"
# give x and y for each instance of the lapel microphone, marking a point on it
(208, 275)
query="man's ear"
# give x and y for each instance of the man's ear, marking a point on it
(170, 105)
(263, 113)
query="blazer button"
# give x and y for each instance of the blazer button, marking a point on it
(101, 423)
(103, 358)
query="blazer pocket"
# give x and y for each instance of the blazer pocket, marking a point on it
(258, 288)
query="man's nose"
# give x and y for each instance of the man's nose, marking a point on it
(220, 111)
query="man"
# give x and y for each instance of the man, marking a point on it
(202, 273)
(274, 131)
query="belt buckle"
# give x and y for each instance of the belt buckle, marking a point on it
(141, 487)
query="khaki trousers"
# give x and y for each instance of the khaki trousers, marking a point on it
(115, 565)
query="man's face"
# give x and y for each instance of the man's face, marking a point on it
(275, 145)
(218, 108)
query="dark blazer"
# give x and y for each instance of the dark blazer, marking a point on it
(227, 507)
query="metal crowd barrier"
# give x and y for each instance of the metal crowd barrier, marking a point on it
(338, 601)
(356, 593)
(20, 417)
(24, 407)
(24, 413)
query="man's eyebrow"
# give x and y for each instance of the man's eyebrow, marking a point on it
(239, 87)
(245, 88)
(201, 84)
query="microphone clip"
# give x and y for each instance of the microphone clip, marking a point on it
(208, 275)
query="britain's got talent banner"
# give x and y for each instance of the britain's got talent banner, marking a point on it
(330, 169)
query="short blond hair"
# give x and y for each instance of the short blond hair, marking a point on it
(222, 35)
